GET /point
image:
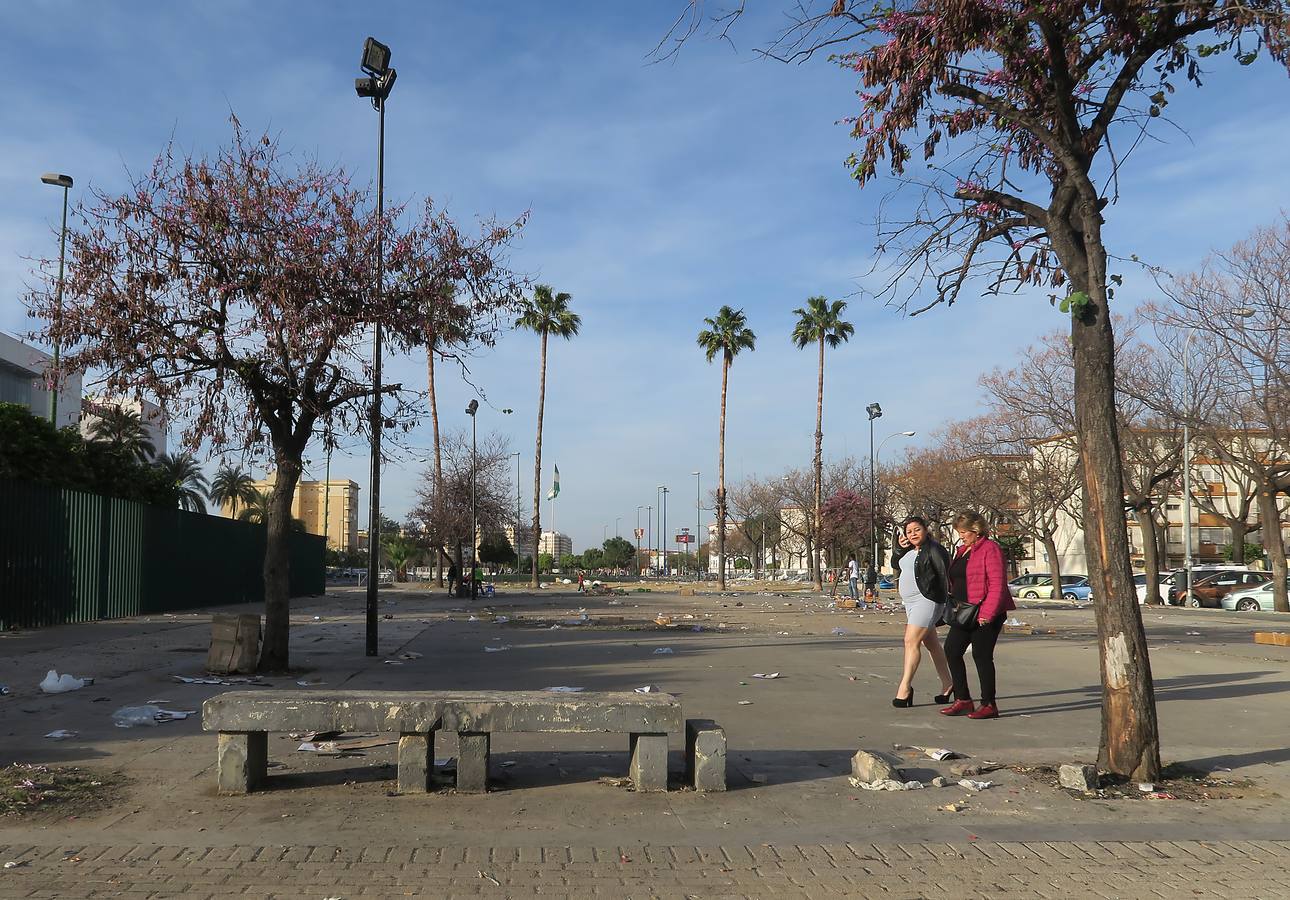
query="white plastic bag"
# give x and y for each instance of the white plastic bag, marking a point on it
(61, 684)
(130, 716)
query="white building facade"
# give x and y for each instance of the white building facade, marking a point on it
(24, 371)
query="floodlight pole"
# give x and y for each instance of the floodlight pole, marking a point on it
(377, 87)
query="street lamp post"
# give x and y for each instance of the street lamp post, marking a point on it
(376, 86)
(874, 411)
(516, 454)
(64, 182)
(471, 409)
(1187, 560)
(662, 529)
(698, 525)
(649, 534)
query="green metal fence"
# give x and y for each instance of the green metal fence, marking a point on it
(69, 556)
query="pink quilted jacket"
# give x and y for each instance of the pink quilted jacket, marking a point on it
(987, 578)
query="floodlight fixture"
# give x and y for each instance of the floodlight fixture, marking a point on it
(62, 181)
(874, 411)
(472, 407)
(376, 57)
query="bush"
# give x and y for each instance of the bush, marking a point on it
(31, 449)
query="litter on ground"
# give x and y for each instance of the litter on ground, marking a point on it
(975, 785)
(497, 649)
(766, 675)
(564, 689)
(130, 716)
(61, 734)
(61, 684)
(661, 650)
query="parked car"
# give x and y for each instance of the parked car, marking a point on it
(1163, 579)
(1040, 587)
(1245, 600)
(1211, 589)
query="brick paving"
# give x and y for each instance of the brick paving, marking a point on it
(1099, 869)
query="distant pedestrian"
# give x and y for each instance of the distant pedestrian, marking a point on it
(922, 566)
(977, 578)
(853, 577)
(871, 583)
(581, 579)
(454, 576)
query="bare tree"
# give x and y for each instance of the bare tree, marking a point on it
(1237, 305)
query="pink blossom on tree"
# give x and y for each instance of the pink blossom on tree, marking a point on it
(237, 293)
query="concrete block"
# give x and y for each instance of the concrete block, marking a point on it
(1078, 778)
(472, 762)
(871, 767)
(235, 644)
(416, 762)
(242, 761)
(648, 769)
(705, 755)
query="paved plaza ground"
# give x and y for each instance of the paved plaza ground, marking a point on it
(556, 824)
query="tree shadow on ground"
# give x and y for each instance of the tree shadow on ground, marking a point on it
(1221, 686)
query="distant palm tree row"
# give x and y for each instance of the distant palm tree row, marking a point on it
(123, 429)
(818, 322)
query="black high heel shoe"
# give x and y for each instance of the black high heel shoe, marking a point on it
(903, 704)
(944, 698)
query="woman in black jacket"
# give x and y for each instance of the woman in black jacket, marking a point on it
(922, 568)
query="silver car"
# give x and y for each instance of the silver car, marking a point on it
(1257, 598)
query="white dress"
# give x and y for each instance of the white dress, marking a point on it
(920, 611)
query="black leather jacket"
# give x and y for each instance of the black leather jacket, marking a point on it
(931, 570)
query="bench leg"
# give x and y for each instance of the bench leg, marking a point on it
(242, 761)
(705, 755)
(416, 762)
(649, 762)
(472, 762)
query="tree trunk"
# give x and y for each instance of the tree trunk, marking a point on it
(1130, 740)
(537, 467)
(275, 649)
(1054, 564)
(819, 466)
(438, 458)
(1162, 536)
(1239, 529)
(1270, 528)
(721, 479)
(1150, 561)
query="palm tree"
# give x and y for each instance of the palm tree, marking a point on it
(820, 322)
(547, 314)
(257, 511)
(726, 334)
(232, 486)
(123, 430)
(182, 471)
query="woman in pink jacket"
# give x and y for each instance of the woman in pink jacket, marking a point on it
(977, 576)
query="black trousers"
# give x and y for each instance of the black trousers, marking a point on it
(982, 639)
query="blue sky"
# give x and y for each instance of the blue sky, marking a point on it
(658, 193)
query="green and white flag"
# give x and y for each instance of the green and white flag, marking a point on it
(555, 488)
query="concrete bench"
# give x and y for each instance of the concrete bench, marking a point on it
(243, 720)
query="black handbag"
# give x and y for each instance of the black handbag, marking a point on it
(964, 615)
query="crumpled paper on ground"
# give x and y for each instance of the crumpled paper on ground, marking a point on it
(887, 784)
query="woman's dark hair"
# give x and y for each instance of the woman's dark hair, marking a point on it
(920, 520)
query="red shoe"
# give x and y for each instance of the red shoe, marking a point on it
(959, 708)
(987, 711)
